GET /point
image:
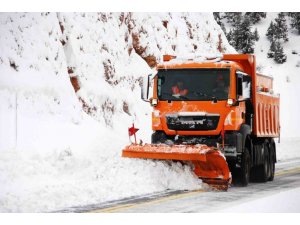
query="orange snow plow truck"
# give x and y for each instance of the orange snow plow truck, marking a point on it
(218, 113)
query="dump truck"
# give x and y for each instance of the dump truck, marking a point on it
(218, 113)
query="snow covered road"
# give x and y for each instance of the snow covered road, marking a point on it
(257, 197)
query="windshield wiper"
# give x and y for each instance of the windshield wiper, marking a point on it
(214, 98)
(177, 96)
(182, 97)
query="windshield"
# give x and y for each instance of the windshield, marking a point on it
(193, 84)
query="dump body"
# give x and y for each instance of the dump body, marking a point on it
(266, 116)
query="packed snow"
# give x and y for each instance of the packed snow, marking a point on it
(61, 148)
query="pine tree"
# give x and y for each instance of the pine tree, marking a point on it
(229, 37)
(281, 29)
(232, 37)
(295, 23)
(271, 31)
(237, 19)
(276, 52)
(246, 37)
(241, 37)
(279, 55)
(236, 34)
(256, 35)
(232, 17)
(272, 49)
(277, 31)
(255, 17)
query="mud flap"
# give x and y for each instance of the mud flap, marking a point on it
(210, 164)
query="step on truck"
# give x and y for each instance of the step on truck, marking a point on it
(218, 113)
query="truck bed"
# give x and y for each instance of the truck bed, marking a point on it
(266, 106)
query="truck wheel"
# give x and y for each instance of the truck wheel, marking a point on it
(263, 171)
(272, 163)
(245, 168)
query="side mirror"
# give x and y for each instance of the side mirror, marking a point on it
(239, 85)
(145, 88)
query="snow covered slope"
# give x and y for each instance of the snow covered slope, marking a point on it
(60, 148)
(286, 76)
(286, 82)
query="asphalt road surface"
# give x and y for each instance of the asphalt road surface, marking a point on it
(287, 177)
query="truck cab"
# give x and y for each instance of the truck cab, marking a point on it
(213, 102)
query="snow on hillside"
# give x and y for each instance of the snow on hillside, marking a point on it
(286, 76)
(61, 148)
(286, 82)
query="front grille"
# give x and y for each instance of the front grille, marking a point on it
(203, 122)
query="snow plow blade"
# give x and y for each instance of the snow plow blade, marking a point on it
(210, 164)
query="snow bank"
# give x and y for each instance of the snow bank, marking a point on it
(60, 148)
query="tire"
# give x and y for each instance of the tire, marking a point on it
(245, 168)
(263, 171)
(272, 162)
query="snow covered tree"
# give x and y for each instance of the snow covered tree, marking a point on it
(272, 49)
(232, 17)
(278, 30)
(255, 17)
(256, 35)
(281, 27)
(229, 37)
(295, 22)
(237, 19)
(246, 37)
(241, 37)
(233, 37)
(276, 52)
(271, 31)
(279, 55)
